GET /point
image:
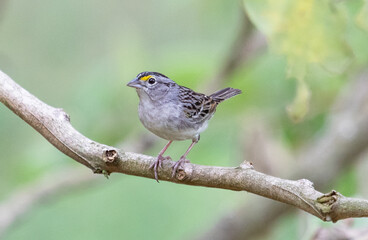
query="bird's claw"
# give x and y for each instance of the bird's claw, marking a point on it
(158, 164)
(178, 164)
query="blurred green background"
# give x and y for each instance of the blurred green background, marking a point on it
(79, 55)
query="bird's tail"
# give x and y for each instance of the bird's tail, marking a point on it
(224, 94)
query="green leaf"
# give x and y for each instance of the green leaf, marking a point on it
(300, 105)
(306, 32)
(362, 17)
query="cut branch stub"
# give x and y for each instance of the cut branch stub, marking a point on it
(110, 156)
(181, 175)
(326, 203)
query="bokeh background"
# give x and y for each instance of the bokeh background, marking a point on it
(292, 59)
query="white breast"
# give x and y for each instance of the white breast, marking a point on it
(166, 121)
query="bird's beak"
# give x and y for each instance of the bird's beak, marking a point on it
(135, 83)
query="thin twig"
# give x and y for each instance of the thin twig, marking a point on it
(248, 43)
(21, 201)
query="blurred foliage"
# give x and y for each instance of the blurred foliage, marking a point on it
(79, 55)
(306, 32)
(362, 17)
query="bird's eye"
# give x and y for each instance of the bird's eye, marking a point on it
(151, 81)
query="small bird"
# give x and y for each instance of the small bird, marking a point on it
(174, 112)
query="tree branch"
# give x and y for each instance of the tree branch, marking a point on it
(248, 44)
(344, 139)
(19, 203)
(54, 125)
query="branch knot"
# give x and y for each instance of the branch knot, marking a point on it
(326, 203)
(109, 155)
(246, 165)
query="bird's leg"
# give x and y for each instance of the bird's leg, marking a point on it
(182, 159)
(158, 163)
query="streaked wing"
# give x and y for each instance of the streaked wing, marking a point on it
(197, 106)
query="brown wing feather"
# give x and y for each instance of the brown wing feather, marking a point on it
(196, 106)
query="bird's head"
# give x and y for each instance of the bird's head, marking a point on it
(154, 84)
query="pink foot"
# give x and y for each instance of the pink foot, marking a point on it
(178, 164)
(158, 164)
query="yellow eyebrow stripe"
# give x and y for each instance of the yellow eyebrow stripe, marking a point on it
(145, 78)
